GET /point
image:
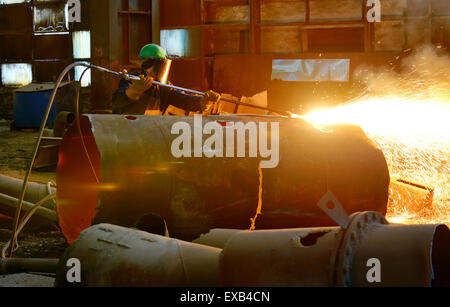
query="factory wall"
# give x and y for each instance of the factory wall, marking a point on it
(208, 39)
(232, 43)
(37, 41)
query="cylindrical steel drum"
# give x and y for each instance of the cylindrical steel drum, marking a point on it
(139, 174)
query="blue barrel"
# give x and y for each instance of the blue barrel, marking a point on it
(30, 103)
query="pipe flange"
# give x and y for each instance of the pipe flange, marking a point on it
(359, 226)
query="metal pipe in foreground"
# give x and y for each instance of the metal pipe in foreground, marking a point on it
(25, 265)
(11, 203)
(113, 256)
(369, 252)
(34, 193)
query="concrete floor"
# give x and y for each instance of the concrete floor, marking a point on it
(15, 153)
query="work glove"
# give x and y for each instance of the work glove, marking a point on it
(139, 87)
(212, 96)
(212, 102)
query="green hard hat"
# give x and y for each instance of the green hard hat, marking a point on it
(152, 51)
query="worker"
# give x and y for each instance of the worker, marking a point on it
(144, 97)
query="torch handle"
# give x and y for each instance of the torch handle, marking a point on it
(237, 102)
(187, 90)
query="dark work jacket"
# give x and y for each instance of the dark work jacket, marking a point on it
(156, 98)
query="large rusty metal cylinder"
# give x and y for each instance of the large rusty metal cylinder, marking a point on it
(138, 174)
(114, 256)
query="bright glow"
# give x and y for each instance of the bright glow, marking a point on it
(13, 1)
(415, 138)
(407, 115)
(81, 44)
(86, 77)
(16, 74)
(66, 15)
(397, 220)
(392, 117)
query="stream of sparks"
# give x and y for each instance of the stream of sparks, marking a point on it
(414, 135)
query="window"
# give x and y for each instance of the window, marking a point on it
(17, 74)
(86, 81)
(13, 1)
(51, 18)
(81, 41)
(181, 43)
(311, 70)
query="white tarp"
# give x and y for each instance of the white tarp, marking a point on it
(17, 74)
(311, 70)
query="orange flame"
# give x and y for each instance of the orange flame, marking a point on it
(415, 138)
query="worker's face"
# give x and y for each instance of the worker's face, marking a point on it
(158, 69)
(150, 71)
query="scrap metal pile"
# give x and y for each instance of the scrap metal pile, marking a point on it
(321, 176)
(409, 255)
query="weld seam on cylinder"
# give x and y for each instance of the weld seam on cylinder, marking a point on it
(182, 261)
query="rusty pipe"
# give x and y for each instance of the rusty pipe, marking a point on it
(11, 202)
(27, 265)
(113, 256)
(408, 255)
(273, 258)
(132, 157)
(34, 193)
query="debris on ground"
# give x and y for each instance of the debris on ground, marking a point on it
(26, 280)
